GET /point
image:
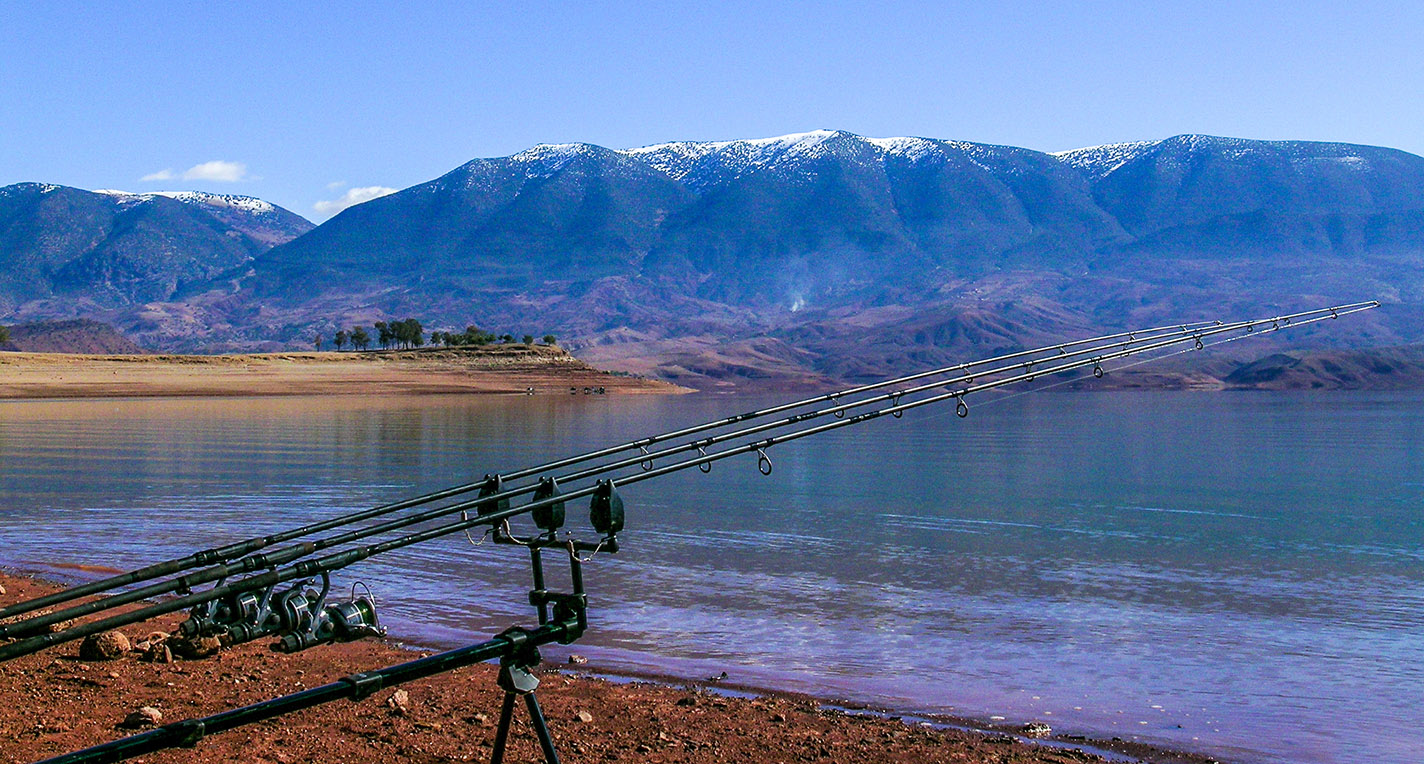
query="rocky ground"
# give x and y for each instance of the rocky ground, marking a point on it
(62, 700)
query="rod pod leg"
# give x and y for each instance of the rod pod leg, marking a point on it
(516, 679)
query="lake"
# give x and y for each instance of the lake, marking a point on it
(1240, 574)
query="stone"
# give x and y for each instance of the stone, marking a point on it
(1036, 729)
(104, 646)
(147, 716)
(196, 648)
(576, 659)
(584, 717)
(399, 702)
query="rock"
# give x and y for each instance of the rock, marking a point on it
(399, 702)
(687, 701)
(778, 717)
(195, 648)
(153, 639)
(148, 716)
(584, 717)
(105, 646)
(575, 659)
(1036, 729)
(2, 589)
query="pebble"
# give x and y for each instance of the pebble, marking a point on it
(104, 646)
(1036, 729)
(147, 716)
(399, 702)
(584, 717)
(576, 659)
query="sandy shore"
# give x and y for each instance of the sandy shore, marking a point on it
(495, 369)
(54, 703)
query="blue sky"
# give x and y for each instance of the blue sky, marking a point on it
(302, 103)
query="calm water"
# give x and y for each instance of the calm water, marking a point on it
(1241, 574)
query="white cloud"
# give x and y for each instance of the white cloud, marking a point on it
(351, 198)
(336, 185)
(164, 174)
(218, 170)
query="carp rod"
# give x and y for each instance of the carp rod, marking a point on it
(492, 489)
(547, 510)
(493, 494)
(517, 648)
(239, 549)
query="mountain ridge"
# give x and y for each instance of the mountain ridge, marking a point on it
(841, 256)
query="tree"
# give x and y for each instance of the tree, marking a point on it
(550, 339)
(360, 338)
(4, 334)
(476, 336)
(318, 343)
(384, 334)
(340, 339)
(408, 333)
(507, 339)
(529, 339)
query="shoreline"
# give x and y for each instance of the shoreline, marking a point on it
(501, 369)
(595, 715)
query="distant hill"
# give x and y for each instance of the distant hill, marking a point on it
(75, 336)
(86, 250)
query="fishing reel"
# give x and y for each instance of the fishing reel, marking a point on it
(217, 617)
(338, 622)
(300, 614)
(271, 612)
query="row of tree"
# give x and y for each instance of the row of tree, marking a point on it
(410, 334)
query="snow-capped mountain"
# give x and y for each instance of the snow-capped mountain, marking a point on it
(849, 255)
(113, 248)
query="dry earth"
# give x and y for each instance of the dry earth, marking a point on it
(496, 369)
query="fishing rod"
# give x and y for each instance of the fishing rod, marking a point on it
(249, 546)
(516, 648)
(605, 491)
(493, 494)
(492, 487)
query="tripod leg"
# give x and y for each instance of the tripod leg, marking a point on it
(545, 739)
(501, 735)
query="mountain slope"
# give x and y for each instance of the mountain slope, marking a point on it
(1202, 194)
(73, 336)
(110, 249)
